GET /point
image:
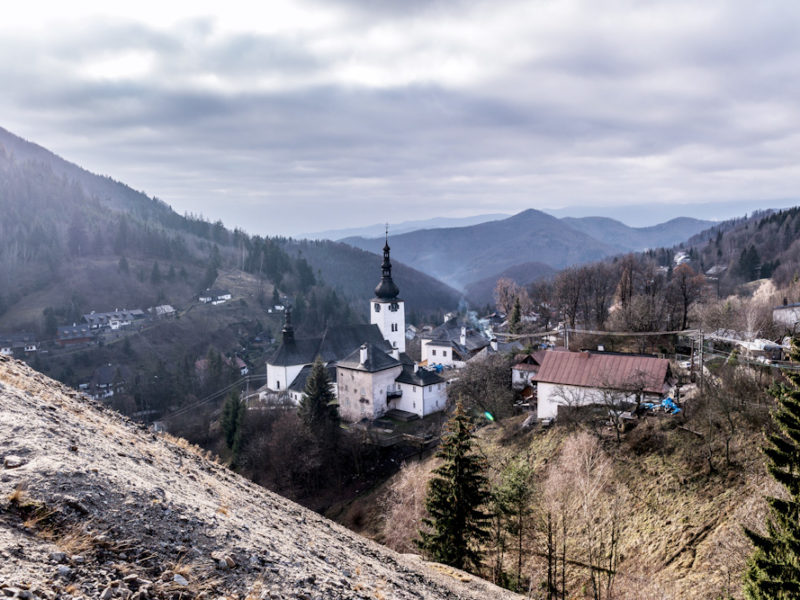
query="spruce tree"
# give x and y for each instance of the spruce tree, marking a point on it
(232, 416)
(515, 321)
(773, 570)
(456, 524)
(318, 408)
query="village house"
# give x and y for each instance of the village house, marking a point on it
(18, 344)
(787, 315)
(108, 381)
(215, 296)
(114, 320)
(523, 373)
(368, 360)
(585, 378)
(371, 383)
(73, 335)
(162, 311)
(451, 344)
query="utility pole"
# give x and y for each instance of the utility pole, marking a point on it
(691, 363)
(702, 349)
(566, 337)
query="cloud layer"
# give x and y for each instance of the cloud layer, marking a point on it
(312, 115)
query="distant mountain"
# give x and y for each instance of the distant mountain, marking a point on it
(461, 255)
(482, 292)
(663, 235)
(377, 230)
(644, 215)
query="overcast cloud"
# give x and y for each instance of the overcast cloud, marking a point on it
(303, 115)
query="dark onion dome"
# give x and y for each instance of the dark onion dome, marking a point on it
(386, 289)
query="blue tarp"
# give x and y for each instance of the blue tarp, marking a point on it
(668, 404)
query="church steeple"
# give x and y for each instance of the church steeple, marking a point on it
(386, 289)
(288, 330)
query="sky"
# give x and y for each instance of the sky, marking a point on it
(282, 117)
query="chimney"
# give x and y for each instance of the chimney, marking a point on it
(395, 353)
(493, 344)
(364, 354)
(463, 336)
(601, 348)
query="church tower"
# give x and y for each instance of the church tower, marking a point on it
(387, 311)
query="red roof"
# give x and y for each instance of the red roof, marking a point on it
(609, 371)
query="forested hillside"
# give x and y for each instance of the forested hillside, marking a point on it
(767, 244)
(72, 242)
(354, 273)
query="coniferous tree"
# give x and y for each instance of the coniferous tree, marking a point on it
(318, 408)
(155, 274)
(515, 320)
(773, 571)
(456, 523)
(232, 415)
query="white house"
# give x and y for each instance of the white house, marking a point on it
(214, 296)
(422, 392)
(525, 369)
(366, 383)
(583, 378)
(451, 344)
(114, 320)
(788, 314)
(371, 383)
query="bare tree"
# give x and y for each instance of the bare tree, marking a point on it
(579, 495)
(685, 288)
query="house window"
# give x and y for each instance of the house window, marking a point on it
(433, 352)
(278, 384)
(444, 352)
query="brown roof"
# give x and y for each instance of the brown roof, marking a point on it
(525, 367)
(598, 370)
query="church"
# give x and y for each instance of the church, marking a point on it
(368, 365)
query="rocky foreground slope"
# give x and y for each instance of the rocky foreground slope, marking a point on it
(93, 506)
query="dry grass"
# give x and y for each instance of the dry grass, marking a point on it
(18, 496)
(76, 540)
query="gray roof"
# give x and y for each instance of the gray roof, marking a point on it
(299, 383)
(377, 360)
(300, 351)
(451, 332)
(103, 318)
(67, 332)
(422, 377)
(17, 340)
(335, 344)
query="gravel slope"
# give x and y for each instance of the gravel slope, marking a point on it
(94, 506)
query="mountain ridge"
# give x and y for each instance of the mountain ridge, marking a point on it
(461, 256)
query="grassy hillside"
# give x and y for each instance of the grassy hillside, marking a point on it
(675, 499)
